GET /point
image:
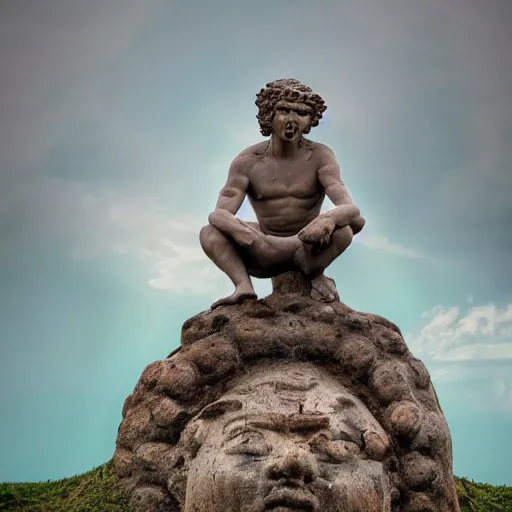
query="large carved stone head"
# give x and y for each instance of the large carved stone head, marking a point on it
(286, 404)
(287, 437)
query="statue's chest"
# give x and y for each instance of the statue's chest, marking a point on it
(273, 179)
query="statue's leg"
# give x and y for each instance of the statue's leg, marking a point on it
(242, 232)
(341, 239)
(223, 253)
(313, 265)
(267, 252)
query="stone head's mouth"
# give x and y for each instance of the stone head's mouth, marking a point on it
(290, 500)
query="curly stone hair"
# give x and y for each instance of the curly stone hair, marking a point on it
(288, 89)
(365, 352)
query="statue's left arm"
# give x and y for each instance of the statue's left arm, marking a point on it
(329, 175)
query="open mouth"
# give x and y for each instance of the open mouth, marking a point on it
(290, 132)
(290, 500)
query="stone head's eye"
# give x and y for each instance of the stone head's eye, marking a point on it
(342, 450)
(303, 113)
(250, 444)
(335, 450)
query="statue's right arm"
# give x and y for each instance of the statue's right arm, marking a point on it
(233, 193)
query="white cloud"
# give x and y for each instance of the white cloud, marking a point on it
(382, 243)
(480, 386)
(446, 373)
(481, 333)
(470, 349)
(166, 244)
(182, 268)
(163, 243)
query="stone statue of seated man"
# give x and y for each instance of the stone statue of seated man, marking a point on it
(286, 179)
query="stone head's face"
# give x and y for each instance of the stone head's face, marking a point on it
(288, 438)
(291, 120)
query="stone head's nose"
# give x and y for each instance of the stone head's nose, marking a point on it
(296, 464)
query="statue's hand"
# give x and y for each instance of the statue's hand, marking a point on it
(318, 232)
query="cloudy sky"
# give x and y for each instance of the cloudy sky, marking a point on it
(119, 119)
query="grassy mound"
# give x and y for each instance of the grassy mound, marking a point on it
(475, 497)
(96, 491)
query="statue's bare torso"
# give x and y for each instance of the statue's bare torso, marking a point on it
(286, 195)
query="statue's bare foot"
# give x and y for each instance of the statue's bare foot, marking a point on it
(323, 289)
(241, 294)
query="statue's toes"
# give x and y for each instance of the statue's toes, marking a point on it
(221, 302)
(235, 298)
(323, 289)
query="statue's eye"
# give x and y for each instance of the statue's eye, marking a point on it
(334, 450)
(339, 451)
(303, 113)
(250, 444)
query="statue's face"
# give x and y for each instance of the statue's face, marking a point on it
(288, 438)
(291, 120)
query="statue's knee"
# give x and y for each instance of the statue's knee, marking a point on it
(212, 218)
(358, 225)
(208, 235)
(343, 236)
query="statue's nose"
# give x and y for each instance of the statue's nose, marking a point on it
(290, 123)
(295, 464)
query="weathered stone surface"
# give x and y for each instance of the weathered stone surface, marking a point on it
(405, 418)
(357, 355)
(418, 471)
(122, 462)
(135, 426)
(166, 413)
(389, 381)
(148, 498)
(226, 366)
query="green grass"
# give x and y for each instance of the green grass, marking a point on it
(475, 497)
(96, 491)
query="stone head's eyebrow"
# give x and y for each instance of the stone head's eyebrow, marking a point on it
(288, 384)
(290, 423)
(279, 422)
